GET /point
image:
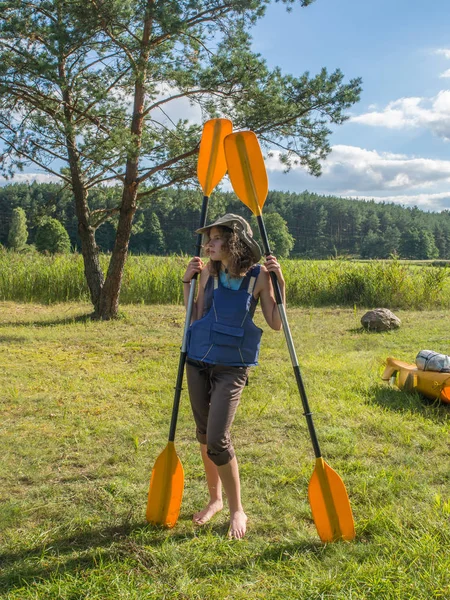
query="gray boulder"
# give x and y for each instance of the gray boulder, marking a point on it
(380, 319)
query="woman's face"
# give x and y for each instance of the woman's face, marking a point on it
(215, 245)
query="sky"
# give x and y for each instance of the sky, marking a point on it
(395, 146)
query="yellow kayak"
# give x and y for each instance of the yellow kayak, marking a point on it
(405, 376)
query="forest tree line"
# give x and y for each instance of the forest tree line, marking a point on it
(302, 225)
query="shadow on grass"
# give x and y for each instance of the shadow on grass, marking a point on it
(23, 567)
(86, 318)
(223, 562)
(363, 330)
(85, 551)
(408, 402)
(12, 339)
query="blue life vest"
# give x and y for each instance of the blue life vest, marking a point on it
(226, 335)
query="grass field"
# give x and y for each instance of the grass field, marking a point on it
(85, 412)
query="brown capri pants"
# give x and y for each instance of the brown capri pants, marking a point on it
(215, 391)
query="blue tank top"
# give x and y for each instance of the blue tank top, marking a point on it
(232, 283)
(243, 284)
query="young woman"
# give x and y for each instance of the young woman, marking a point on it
(223, 345)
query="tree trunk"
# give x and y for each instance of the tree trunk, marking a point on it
(89, 249)
(108, 305)
(92, 269)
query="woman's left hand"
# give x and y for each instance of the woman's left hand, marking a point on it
(272, 265)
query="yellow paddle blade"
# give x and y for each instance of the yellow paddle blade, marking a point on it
(330, 505)
(166, 488)
(211, 165)
(247, 170)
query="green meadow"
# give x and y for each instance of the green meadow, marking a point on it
(86, 409)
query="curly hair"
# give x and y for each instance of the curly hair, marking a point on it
(240, 255)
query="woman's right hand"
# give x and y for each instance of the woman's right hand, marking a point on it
(195, 265)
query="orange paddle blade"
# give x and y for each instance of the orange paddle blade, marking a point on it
(445, 394)
(211, 165)
(246, 169)
(166, 488)
(330, 505)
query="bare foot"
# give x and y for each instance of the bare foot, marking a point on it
(208, 512)
(238, 525)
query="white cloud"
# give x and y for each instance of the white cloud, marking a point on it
(356, 172)
(444, 51)
(173, 110)
(445, 74)
(429, 202)
(372, 170)
(45, 178)
(30, 178)
(353, 168)
(431, 113)
(351, 172)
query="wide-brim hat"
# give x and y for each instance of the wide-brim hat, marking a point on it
(242, 229)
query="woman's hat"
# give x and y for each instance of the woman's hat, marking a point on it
(241, 228)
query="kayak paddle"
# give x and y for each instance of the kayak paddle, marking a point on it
(167, 480)
(328, 497)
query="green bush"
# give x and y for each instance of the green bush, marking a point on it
(52, 237)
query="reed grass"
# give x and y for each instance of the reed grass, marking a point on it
(45, 279)
(156, 280)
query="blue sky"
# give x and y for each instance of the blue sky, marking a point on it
(396, 145)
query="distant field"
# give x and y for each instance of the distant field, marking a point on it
(436, 262)
(85, 412)
(156, 280)
(417, 263)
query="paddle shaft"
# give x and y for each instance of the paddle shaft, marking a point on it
(290, 343)
(187, 323)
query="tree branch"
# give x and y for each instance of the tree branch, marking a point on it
(183, 95)
(113, 38)
(99, 179)
(203, 17)
(31, 141)
(94, 102)
(34, 161)
(106, 212)
(167, 164)
(157, 188)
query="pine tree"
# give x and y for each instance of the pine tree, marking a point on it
(157, 244)
(88, 85)
(390, 244)
(370, 246)
(18, 231)
(427, 248)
